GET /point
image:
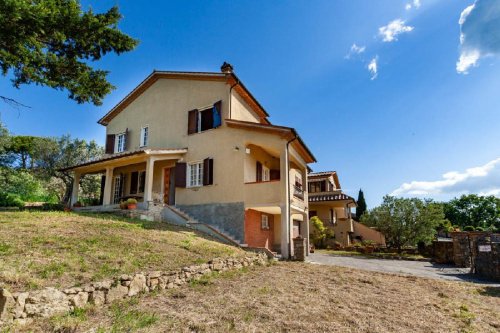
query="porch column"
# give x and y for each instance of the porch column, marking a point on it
(285, 204)
(76, 188)
(148, 184)
(106, 200)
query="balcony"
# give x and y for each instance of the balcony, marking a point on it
(263, 193)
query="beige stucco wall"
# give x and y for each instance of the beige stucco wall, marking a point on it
(164, 107)
(241, 111)
(368, 233)
(342, 227)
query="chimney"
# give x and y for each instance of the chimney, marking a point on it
(226, 68)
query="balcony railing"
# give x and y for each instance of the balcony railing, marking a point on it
(298, 192)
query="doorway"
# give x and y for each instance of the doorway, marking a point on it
(167, 186)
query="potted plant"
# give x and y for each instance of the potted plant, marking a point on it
(123, 204)
(131, 203)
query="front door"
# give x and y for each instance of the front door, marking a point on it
(166, 185)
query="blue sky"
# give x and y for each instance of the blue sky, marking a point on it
(398, 129)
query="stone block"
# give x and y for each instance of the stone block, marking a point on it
(7, 303)
(97, 297)
(116, 293)
(80, 300)
(137, 285)
(46, 303)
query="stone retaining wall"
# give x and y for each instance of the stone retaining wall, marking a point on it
(20, 307)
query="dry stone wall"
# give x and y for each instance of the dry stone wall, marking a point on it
(21, 307)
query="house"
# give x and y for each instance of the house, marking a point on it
(333, 207)
(199, 144)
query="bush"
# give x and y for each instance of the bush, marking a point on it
(10, 200)
(480, 229)
(131, 201)
(52, 206)
(469, 228)
(318, 232)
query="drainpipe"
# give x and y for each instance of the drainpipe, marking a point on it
(288, 190)
(230, 90)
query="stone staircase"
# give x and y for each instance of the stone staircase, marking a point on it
(190, 222)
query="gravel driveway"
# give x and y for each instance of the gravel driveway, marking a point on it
(417, 268)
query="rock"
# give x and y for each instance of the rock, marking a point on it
(20, 303)
(88, 289)
(170, 285)
(97, 297)
(126, 283)
(153, 284)
(115, 293)
(137, 285)
(46, 303)
(154, 275)
(22, 321)
(125, 277)
(80, 299)
(7, 302)
(103, 285)
(72, 291)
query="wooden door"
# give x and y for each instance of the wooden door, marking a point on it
(166, 186)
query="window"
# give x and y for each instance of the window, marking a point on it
(117, 190)
(318, 186)
(202, 120)
(266, 174)
(264, 222)
(120, 143)
(142, 181)
(137, 182)
(144, 136)
(195, 174)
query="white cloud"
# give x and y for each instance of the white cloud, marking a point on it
(479, 33)
(415, 4)
(354, 50)
(484, 180)
(373, 68)
(390, 31)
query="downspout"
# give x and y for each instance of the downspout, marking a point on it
(288, 192)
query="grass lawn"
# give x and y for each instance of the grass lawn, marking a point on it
(65, 249)
(297, 297)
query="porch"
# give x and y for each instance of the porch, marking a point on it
(130, 175)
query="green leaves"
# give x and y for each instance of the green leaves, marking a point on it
(52, 42)
(405, 222)
(474, 210)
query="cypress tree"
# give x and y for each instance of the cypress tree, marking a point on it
(361, 209)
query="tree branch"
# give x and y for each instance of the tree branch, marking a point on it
(13, 103)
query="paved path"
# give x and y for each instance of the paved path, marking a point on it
(417, 268)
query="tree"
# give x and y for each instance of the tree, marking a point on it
(361, 208)
(473, 210)
(318, 232)
(67, 152)
(52, 42)
(405, 222)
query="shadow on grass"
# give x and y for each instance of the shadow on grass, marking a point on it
(490, 291)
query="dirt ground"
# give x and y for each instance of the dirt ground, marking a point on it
(299, 297)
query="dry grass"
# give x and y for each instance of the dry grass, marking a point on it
(66, 249)
(294, 297)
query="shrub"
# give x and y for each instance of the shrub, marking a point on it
(318, 232)
(131, 201)
(480, 229)
(10, 200)
(52, 206)
(469, 228)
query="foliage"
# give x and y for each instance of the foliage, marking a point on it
(469, 228)
(24, 184)
(52, 42)
(474, 210)
(319, 233)
(10, 200)
(361, 208)
(131, 201)
(405, 222)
